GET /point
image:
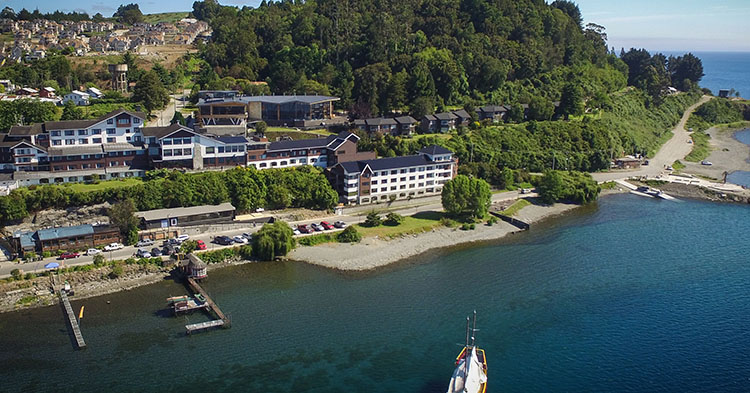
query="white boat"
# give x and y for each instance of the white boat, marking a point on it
(470, 375)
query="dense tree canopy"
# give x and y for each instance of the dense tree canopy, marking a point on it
(128, 14)
(465, 196)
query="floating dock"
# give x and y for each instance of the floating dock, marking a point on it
(72, 320)
(222, 320)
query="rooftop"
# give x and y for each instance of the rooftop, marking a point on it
(163, 214)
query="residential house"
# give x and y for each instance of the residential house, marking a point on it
(47, 92)
(406, 125)
(320, 152)
(94, 93)
(463, 118)
(439, 122)
(27, 91)
(77, 97)
(493, 113)
(378, 126)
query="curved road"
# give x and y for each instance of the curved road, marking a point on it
(674, 149)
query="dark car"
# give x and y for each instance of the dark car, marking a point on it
(69, 255)
(223, 240)
(305, 229)
(169, 250)
(156, 252)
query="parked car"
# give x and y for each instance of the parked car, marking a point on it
(248, 236)
(326, 225)
(669, 168)
(525, 191)
(145, 243)
(296, 231)
(304, 229)
(645, 163)
(706, 162)
(69, 255)
(93, 251)
(339, 224)
(142, 253)
(239, 239)
(223, 240)
(169, 250)
(156, 252)
(182, 238)
(316, 227)
(200, 244)
(113, 247)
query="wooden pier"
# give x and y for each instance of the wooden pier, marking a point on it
(72, 320)
(222, 320)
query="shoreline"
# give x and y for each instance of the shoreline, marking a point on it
(374, 253)
(727, 153)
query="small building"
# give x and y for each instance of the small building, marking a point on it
(94, 93)
(628, 163)
(724, 93)
(27, 91)
(79, 237)
(406, 125)
(186, 216)
(47, 92)
(196, 268)
(494, 113)
(77, 97)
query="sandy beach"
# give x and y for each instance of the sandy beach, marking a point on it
(727, 155)
(372, 253)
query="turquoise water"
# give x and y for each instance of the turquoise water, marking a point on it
(628, 295)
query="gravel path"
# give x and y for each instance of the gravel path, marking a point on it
(727, 155)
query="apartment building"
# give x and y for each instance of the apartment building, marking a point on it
(320, 152)
(383, 179)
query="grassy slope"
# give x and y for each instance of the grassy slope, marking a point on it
(417, 223)
(81, 187)
(170, 17)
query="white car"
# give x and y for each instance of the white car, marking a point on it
(239, 239)
(145, 243)
(706, 162)
(143, 254)
(296, 231)
(93, 251)
(113, 247)
(182, 238)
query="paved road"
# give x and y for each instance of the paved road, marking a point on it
(164, 116)
(352, 216)
(674, 149)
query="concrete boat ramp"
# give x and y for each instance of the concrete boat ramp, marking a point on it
(645, 191)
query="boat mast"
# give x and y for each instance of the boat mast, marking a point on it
(474, 328)
(467, 332)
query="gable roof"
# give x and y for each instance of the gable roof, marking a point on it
(62, 232)
(405, 120)
(160, 132)
(493, 108)
(29, 144)
(462, 114)
(163, 214)
(33, 129)
(230, 139)
(301, 144)
(71, 124)
(445, 116)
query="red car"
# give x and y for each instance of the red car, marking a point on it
(305, 229)
(201, 245)
(326, 225)
(69, 255)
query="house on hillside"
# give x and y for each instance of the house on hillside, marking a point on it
(77, 97)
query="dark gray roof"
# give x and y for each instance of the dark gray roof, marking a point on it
(74, 124)
(445, 116)
(74, 150)
(462, 114)
(33, 129)
(121, 146)
(301, 144)
(430, 117)
(405, 120)
(308, 99)
(493, 108)
(379, 121)
(380, 164)
(231, 139)
(435, 149)
(163, 214)
(160, 132)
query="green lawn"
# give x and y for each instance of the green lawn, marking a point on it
(515, 207)
(701, 149)
(417, 223)
(104, 185)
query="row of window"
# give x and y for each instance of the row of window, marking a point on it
(227, 149)
(98, 165)
(94, 141)
(292, 161)
(404, 170)
(176, 152)
(402, 195)
(411, 178)
(177, 141)
(404, 186)
(94, 131)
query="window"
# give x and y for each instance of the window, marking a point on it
(393, 172)
(210, 150)
(57, 168)
(70, 132)
(292, 161)
(111, 131)
(374, 182)
(96, 140)
(283, 163)
(393, 188)
(83, 132)
(188, 152)
(55, 133)
(186, 141)
(56, 142)
(70, 141)
(110, 121)
(140, 152)
(110, 140)
(221, 149)
(128, 138)
(403, 171)
(99, 165)
(127, 130)
(136, 120)
(83, 141)
(412, 177)
(412, 170)
(123, 120)
(112, 163)
(403, 187)
(166, 142)
(384, 181)
(96, 131)
(167, 152)
(421, 177)
(262, 164)
(403, 178)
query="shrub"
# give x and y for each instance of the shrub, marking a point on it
(116, 271)
(29, 276)
(16, 274)
(273, 240)
(319, 238)
(447, 222)
(393, 219)
(99, 260)
(188, 246)
(349, 235)
(46, 254)
(373, 219)
(492, 221)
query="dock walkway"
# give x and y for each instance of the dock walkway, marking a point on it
(72, 320)
(222, 320)
(204, 325)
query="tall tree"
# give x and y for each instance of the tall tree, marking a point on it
(128, 14)
(571, 101)
(122, 216)
(71, 112)
(466, 196)
(151, 92)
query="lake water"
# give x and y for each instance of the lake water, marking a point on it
(626, 295)
(741, 177)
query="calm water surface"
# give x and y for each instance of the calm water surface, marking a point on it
(741, 177)
(628, 295)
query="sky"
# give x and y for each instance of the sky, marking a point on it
(657, 25)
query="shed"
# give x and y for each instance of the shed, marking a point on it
(186, 216)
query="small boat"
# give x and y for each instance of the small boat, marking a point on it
(470, 375)
(200, 298)
(175, 299)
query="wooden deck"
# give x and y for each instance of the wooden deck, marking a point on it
(72, 320)
(204, 325)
